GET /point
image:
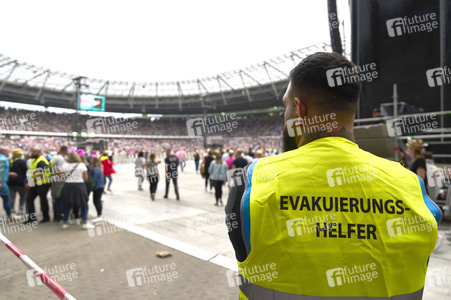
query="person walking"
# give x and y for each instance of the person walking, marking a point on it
(218, 176)
(4, 173)
(153, 176)
(108, 169)
(325, 213)
(139, 169)
(37, 184)
(171, 166)
(99, 186)
(181, 155)
(196, 160)
(206, 164)
(16, 182)
(74, 191)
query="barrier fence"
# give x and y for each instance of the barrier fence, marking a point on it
(59, 291)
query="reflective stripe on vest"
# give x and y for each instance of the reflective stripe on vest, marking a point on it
(330, 220)
(253, 291)
(44, 175)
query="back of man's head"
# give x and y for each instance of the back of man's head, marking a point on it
(310, 78)
(63, 150)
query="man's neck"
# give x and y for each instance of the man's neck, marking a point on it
(342, 132)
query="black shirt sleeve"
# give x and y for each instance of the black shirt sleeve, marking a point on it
(233, 218)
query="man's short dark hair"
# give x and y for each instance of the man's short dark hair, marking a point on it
(311, 73)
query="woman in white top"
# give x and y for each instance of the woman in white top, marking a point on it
(74, 191)
(139, 169)
(218, 175)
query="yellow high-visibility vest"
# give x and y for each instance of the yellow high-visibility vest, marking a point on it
(40, 176)
(331, 220)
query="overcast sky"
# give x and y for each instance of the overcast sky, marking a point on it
(159, 40)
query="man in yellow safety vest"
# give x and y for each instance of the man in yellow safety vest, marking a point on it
(325, 219)
(38, 184)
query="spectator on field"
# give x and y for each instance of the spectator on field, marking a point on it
(152, 174)
(196, 160)
(229, 160)
(108, 169)
(417, 162)
(4, 174)
(206, 164)
(16, 183)
(139, 169)
(218, 175)
(240, 161)
(99, 184)
(74, 191)
(171, 164)
(56, 165)
(181, 155)
(258, 155)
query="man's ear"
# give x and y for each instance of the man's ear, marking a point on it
(301, 109)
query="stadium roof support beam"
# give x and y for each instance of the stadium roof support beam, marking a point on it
(38, 95)
(245, 87)
(180, 92)
(223, 80)
(34, 77)
(9, 75)
(222, 91)
(252, 78)
(67, 85)
(8, 63)
(131, 95)
(199, 85)
(276, 93)
(104, 86)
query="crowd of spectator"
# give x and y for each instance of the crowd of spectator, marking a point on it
(26, 120)
(262, 132)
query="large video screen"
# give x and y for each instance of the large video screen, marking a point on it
(91, 102)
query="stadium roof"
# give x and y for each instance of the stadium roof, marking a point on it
(257, 86)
